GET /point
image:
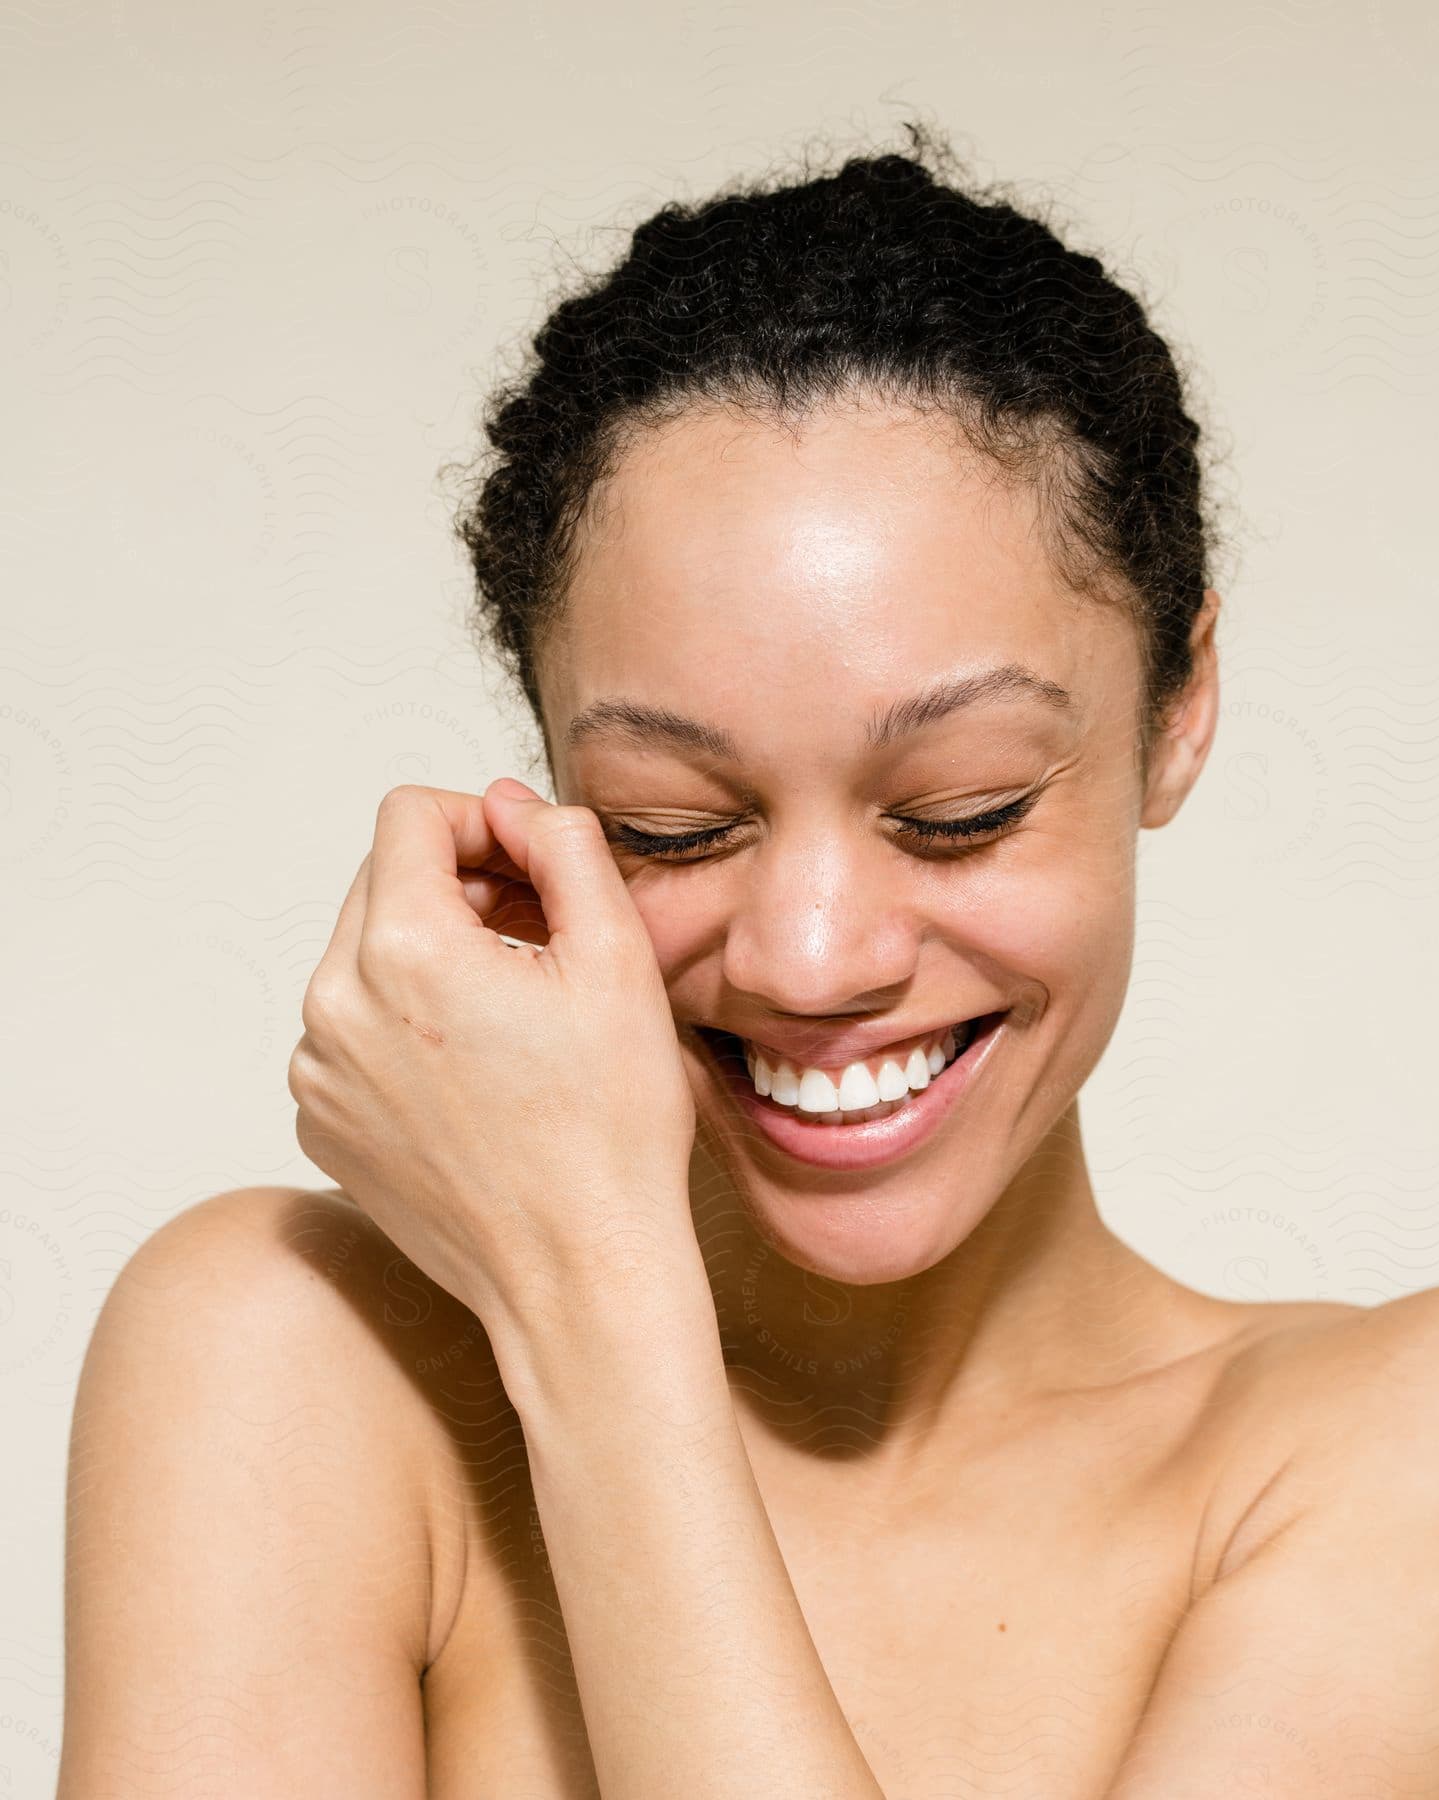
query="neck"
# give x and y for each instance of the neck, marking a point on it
(1039, 1299)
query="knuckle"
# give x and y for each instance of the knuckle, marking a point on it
(308, 1139)
(393, 944)
(404, 794)
(322, 1004)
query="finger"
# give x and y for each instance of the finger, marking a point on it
(563, 853)
(423, 838)
(511, 908)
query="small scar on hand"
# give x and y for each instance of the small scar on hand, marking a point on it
(430, 1033)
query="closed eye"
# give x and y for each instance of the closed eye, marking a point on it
(961, 833)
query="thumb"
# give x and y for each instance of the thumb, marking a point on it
(564, 856)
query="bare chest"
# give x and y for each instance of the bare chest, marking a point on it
(1002, 1646)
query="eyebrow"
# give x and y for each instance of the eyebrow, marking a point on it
(639, 723)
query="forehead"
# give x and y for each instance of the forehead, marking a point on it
(788, 577)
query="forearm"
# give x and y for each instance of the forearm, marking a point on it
(696, 1670)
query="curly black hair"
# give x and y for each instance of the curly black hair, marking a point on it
(891, 276)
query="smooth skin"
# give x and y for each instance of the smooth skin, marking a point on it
(914, 1484)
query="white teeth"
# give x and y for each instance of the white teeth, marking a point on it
(916, 1070)
(785, 1088)
(857, 1089)
(858, 1092)
(892, 1084)
(817, 1093)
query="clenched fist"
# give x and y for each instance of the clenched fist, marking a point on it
(516, 1119)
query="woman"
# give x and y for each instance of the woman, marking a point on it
(711, 1374)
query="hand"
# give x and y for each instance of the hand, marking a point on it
(516, 1120)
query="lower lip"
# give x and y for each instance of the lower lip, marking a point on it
(869, 1143)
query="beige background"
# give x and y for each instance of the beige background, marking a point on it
(257, 264)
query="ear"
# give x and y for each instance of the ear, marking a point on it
(1182, 747)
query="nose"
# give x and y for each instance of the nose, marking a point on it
(821, 929)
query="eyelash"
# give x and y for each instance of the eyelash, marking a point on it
(991, 825)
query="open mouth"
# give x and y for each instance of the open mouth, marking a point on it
(737, 1062)
(866, 1138)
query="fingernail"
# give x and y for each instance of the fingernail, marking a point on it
(506, 784)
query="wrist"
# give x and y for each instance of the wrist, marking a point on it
(609, 1334)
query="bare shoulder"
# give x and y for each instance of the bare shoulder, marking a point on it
(262, 1553)
(1371, 1377)
(1310, 1661)
(1325, 1362)
(347, 1343)
(1325, 1406)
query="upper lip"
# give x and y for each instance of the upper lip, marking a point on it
(834, 1050)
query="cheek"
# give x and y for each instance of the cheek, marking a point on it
(677, 923)
(1062, 939)
(1064, 921)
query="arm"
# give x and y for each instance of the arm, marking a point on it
(1313, 1668)
(247, 1571)
(1310, 1670)
(521, 1127)
(696, 1670)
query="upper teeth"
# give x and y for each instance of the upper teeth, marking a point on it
(813, 1090)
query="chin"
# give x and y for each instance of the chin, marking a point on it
(866, 1261)
(852, 1231)
(899, 1195)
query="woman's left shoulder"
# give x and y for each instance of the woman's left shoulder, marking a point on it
(1325, 1412)
(1357, 1352)
(1359, 1385)
(1308, 1656)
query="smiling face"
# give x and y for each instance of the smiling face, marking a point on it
(764, 602)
